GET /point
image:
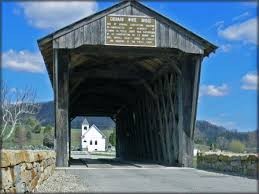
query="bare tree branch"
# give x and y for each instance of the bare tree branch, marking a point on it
(15, 106)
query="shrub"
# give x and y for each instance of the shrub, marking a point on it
(28, 135)
(20, 136)
(236, 146)
(221, 143)
(48, 140)
(48, 129)
(112, 139)
(37, 129)
(31, 122)
(212, 147)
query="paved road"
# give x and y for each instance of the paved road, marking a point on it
(154, 178)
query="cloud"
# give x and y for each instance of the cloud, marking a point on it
(249, 81)
(212, 90)
(245, 31)
(250, 3)
(13, 90)
(219, 24)
(241, 16)
(225, 48)
(23, 61)
(56, 14)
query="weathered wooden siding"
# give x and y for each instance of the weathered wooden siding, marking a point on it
(93, 33)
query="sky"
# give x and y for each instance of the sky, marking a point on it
(228, 84)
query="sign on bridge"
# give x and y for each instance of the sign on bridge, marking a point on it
(130, 31)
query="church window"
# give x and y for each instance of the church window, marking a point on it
(95, 142)
(91, 142)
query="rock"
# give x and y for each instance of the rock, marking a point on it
(6, 178)
(34, 182)
(17, 173)
(29, 166)
(23, 170)
(21, 187)
(26, 176)
(5, 161)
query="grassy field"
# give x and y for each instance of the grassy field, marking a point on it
(37, 138)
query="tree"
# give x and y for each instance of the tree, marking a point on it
(212, 147)
(48, 129)
(112, 139)
(37, 129)
(48, 140)
(221, 143)
(28, 135)
(236, 146)
(15, 105)
(30, 123)
(20, 136)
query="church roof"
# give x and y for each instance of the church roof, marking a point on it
(85, 122)
(98, 130)
(94, 126)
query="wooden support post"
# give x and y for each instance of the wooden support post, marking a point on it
(155, 130)
(196, 83)
(161, 127)
(130, 135)
(139, 144)
(180, 130)
(165, 118)
(142, 130)
(172, 92)
(69, 128)
(146, 130)
(149, 127)
(61, 83)
(117, 136)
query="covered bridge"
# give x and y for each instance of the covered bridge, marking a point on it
(136, 66)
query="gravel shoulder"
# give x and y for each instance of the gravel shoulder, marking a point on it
(61, 181)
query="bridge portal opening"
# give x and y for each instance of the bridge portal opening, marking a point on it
(92, 140)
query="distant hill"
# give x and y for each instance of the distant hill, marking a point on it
(46, 113)
(46, 117)
(205, 133)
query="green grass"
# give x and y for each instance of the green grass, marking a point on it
(37, 138)
(76, 137)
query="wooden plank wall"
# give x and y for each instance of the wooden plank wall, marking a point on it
(153, 128)
(93, 33)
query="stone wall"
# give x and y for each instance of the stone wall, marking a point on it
(25, 170)
(236, 164)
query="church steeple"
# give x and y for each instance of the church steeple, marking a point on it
(85, 125)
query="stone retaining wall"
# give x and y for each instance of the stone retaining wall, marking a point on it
(25, 170)
(238, 164)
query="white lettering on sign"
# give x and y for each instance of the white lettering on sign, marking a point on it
(130, 31)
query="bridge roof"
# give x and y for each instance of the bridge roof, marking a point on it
(68, 36)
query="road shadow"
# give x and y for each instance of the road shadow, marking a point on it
(230, 173)
(112, 162)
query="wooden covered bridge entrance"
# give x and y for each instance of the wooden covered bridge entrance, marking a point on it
(136, 66)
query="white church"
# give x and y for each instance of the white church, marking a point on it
(92, 138)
